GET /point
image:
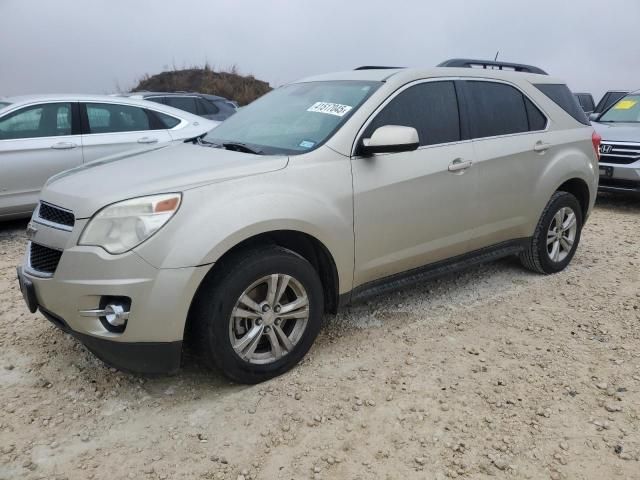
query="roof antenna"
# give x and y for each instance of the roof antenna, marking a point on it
(497, 53)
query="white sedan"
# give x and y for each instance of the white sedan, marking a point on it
(44, 135)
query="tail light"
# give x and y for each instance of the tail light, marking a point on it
(596, 139)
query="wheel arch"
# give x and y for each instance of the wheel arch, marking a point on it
(304, 244)
(579, 189)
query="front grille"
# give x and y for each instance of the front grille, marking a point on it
(619, 153)
(54, 214)
(44, 259)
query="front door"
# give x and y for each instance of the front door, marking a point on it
(414, 208)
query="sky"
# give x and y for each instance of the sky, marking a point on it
(104, 46)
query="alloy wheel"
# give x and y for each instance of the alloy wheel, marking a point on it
(269, 319)
(561, 234)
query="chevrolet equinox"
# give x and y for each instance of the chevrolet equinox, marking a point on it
(318, 194)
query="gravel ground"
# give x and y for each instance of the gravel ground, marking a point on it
(495, 372)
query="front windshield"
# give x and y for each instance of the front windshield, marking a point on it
(626, 110)
(295, 118)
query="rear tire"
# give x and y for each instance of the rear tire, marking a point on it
(556, 236)
(242, 329)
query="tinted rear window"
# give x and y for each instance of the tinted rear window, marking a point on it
(563, 97)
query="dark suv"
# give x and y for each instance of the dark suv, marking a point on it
(208, 106)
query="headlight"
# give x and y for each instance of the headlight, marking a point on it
(122, 226)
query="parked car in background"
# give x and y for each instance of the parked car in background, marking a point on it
(586, 102)
(208, 106)
(608, 99)
(619, 127)
(318, 194)
(41, 135)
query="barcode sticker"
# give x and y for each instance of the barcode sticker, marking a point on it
(330, 108)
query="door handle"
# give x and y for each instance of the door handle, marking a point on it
(458, 165)
(147, 140)
(541, 147)
(64, 146)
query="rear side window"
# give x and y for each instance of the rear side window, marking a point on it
(431, 108)
(537, 120)
(167, 120)
(46, 120)
(563, 97)
(500, 109)
(111, 117)
(188, 104)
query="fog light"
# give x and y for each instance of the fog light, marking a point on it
(113, 313)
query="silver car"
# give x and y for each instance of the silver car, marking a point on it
(619, 128)
(320, 193)
(41, 135)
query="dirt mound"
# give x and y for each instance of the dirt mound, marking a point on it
(228, 84)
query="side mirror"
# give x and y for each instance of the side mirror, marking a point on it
(594, 117)
(390, 139)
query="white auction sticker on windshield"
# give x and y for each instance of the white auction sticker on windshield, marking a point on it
(330, 108)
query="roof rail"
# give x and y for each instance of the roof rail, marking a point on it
(491, 65)
(374, 67)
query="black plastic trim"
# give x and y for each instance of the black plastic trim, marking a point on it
(491, 64)
(434, 270)
(132, 357)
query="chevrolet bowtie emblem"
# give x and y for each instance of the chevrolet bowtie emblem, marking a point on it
(31, 231)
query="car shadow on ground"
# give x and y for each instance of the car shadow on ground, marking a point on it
(619, 202)
(13, 228)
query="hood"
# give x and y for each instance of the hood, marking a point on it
(618, 132)
(171, 168)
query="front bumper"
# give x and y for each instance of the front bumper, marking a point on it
(135, 357)
(619, 177)
(160, 300)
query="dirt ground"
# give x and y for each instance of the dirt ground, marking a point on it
(495, 372)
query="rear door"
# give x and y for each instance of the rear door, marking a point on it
(510, 143)
(36, 142)
(414, 208)
(111, 128)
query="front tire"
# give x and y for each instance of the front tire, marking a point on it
(258, 315)
(556, 237)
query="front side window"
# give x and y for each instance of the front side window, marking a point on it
(295, 118)
(626, 110)
(188, 104)
(111, 118)
(431, 108)
(45, 120)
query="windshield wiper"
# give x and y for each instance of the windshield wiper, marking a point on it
(241, 147)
